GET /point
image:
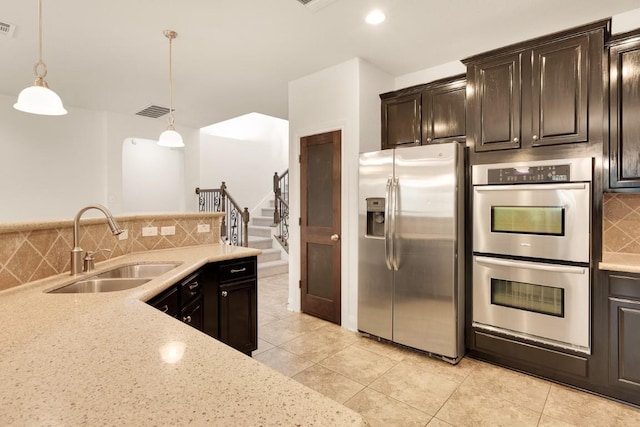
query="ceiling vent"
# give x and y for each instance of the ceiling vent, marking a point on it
(153, 111)
(315, 5)
(7, 29)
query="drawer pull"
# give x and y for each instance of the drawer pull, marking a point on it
(224, 293)
(186, 319)
(164, 308)
(193, 286)
(240, 270)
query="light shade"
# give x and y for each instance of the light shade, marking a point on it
(170, 138)
(40, 100)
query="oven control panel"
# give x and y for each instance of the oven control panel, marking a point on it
(529, 174)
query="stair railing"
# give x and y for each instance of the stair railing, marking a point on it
(281, 204)
(234, 228)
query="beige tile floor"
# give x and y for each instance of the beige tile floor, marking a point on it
(390, 386)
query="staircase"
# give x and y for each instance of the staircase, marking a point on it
(273, 259)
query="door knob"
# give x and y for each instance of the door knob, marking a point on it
(335, 237)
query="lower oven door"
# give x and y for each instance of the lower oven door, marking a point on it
(548, 303)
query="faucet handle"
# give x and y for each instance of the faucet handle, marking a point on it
(89, 262)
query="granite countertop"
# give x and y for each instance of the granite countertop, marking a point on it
(111, 359)
(627, 263)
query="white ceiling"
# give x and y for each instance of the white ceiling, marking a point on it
(234, 57)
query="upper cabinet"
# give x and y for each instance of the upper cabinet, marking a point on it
(624, 110)
(400, 119)
(426, 114)
(443, 111)
(538, 93)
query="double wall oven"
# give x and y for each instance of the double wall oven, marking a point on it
(531, 246)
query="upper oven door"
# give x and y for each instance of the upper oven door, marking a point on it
(548, 221)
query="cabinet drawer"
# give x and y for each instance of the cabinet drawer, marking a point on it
(167, 301)
(193, 314)
(190, 288)
(624, 285)
(233, 271)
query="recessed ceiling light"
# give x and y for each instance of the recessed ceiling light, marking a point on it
(375, 17)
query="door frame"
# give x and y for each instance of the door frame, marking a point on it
(315, 305)
(349, 293)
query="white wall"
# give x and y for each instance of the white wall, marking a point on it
(429, 74)
(321, 102)
(624, 22)
(152, 177)
(246, 165)
(120, 127)
(52, 166)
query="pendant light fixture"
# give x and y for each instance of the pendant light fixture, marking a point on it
(39, 99)
(170, 138)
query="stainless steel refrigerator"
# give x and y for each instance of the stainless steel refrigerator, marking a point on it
(411, 248)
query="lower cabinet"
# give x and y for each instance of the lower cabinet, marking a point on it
(624, 339)
(220, 299)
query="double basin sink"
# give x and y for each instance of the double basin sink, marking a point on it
(117, 279)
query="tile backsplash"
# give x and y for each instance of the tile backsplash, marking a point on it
(621, 223)
(32, 251)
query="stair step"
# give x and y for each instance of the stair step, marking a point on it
(271, 268)
(260, 242)
(262, 221)
(273, 254)
(268, 212)
(259, 231)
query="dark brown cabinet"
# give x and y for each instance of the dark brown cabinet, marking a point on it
(538, 93)
(494, 106)
(624, 111)
(183, 301)
(425, 114)
(624, 339)
(220, 299)
(400, 120)
(443, 112)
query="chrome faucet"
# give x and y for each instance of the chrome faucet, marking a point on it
(77, 252)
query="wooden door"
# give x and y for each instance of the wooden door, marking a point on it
(401, 120)
(624, 97)
(494, 104)
(320, 169)
(559, 99)
(443, 113)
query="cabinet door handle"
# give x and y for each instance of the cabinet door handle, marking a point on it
(186, 319)
(240, 270)
(193, 286)
(428, 139)
(164, 308)
(224, 293)
(535, 137)
(516, 140)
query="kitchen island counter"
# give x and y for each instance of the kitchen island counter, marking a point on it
(111, 359)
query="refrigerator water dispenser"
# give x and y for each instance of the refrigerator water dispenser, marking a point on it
(375, 216)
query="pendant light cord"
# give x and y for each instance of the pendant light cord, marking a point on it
(40, 74)
(170, 35)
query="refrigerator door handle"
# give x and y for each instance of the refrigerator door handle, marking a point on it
(388, 248)
(394, 247)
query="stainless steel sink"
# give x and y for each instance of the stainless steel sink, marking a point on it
(95, 285)
(138, 270)
(117, 279)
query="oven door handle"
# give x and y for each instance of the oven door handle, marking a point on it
(531, 266)
(572, 186)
